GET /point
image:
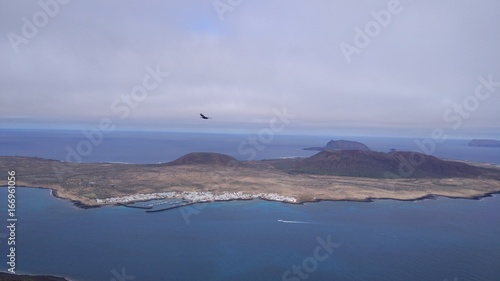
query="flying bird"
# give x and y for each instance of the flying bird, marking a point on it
(205, 117)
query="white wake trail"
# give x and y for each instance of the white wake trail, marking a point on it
(302, 222)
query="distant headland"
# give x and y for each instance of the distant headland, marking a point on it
(357, 175)
(334, 145)
(484, 143)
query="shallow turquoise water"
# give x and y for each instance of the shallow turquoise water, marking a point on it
(242, 240)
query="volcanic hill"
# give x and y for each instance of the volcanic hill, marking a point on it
(399, 164)
(334, 145)
(205, 158)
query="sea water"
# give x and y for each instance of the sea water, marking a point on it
(155, 147)
(435, 239)
(441, 239)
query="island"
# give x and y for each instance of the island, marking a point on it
(358, 175)
(334, 145)
(484, 143)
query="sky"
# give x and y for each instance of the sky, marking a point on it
(360, 67)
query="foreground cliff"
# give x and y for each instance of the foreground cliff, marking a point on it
(21, 277)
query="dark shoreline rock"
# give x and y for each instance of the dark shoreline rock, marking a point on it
(21, 277)
(76, 203)
(84, 206)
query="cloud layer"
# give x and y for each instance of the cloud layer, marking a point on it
(424, 61)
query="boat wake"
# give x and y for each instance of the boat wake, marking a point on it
(302, 222)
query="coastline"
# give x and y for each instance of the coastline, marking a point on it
(45, 277)
(430, 196)
(76, 203)
(92, 185)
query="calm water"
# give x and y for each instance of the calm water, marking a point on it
(154, 147)
(440, 239)
(382, 240)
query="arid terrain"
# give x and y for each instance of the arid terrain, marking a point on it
(306, 179)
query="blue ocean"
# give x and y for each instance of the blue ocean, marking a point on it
(154, 147)
(434, 239)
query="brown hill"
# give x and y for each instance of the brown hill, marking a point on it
(401, 164)
(205, 158)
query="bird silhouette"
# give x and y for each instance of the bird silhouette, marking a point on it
(205, 117)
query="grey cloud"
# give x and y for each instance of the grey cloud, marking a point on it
(263, 55)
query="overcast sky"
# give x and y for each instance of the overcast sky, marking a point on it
(69, 65)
